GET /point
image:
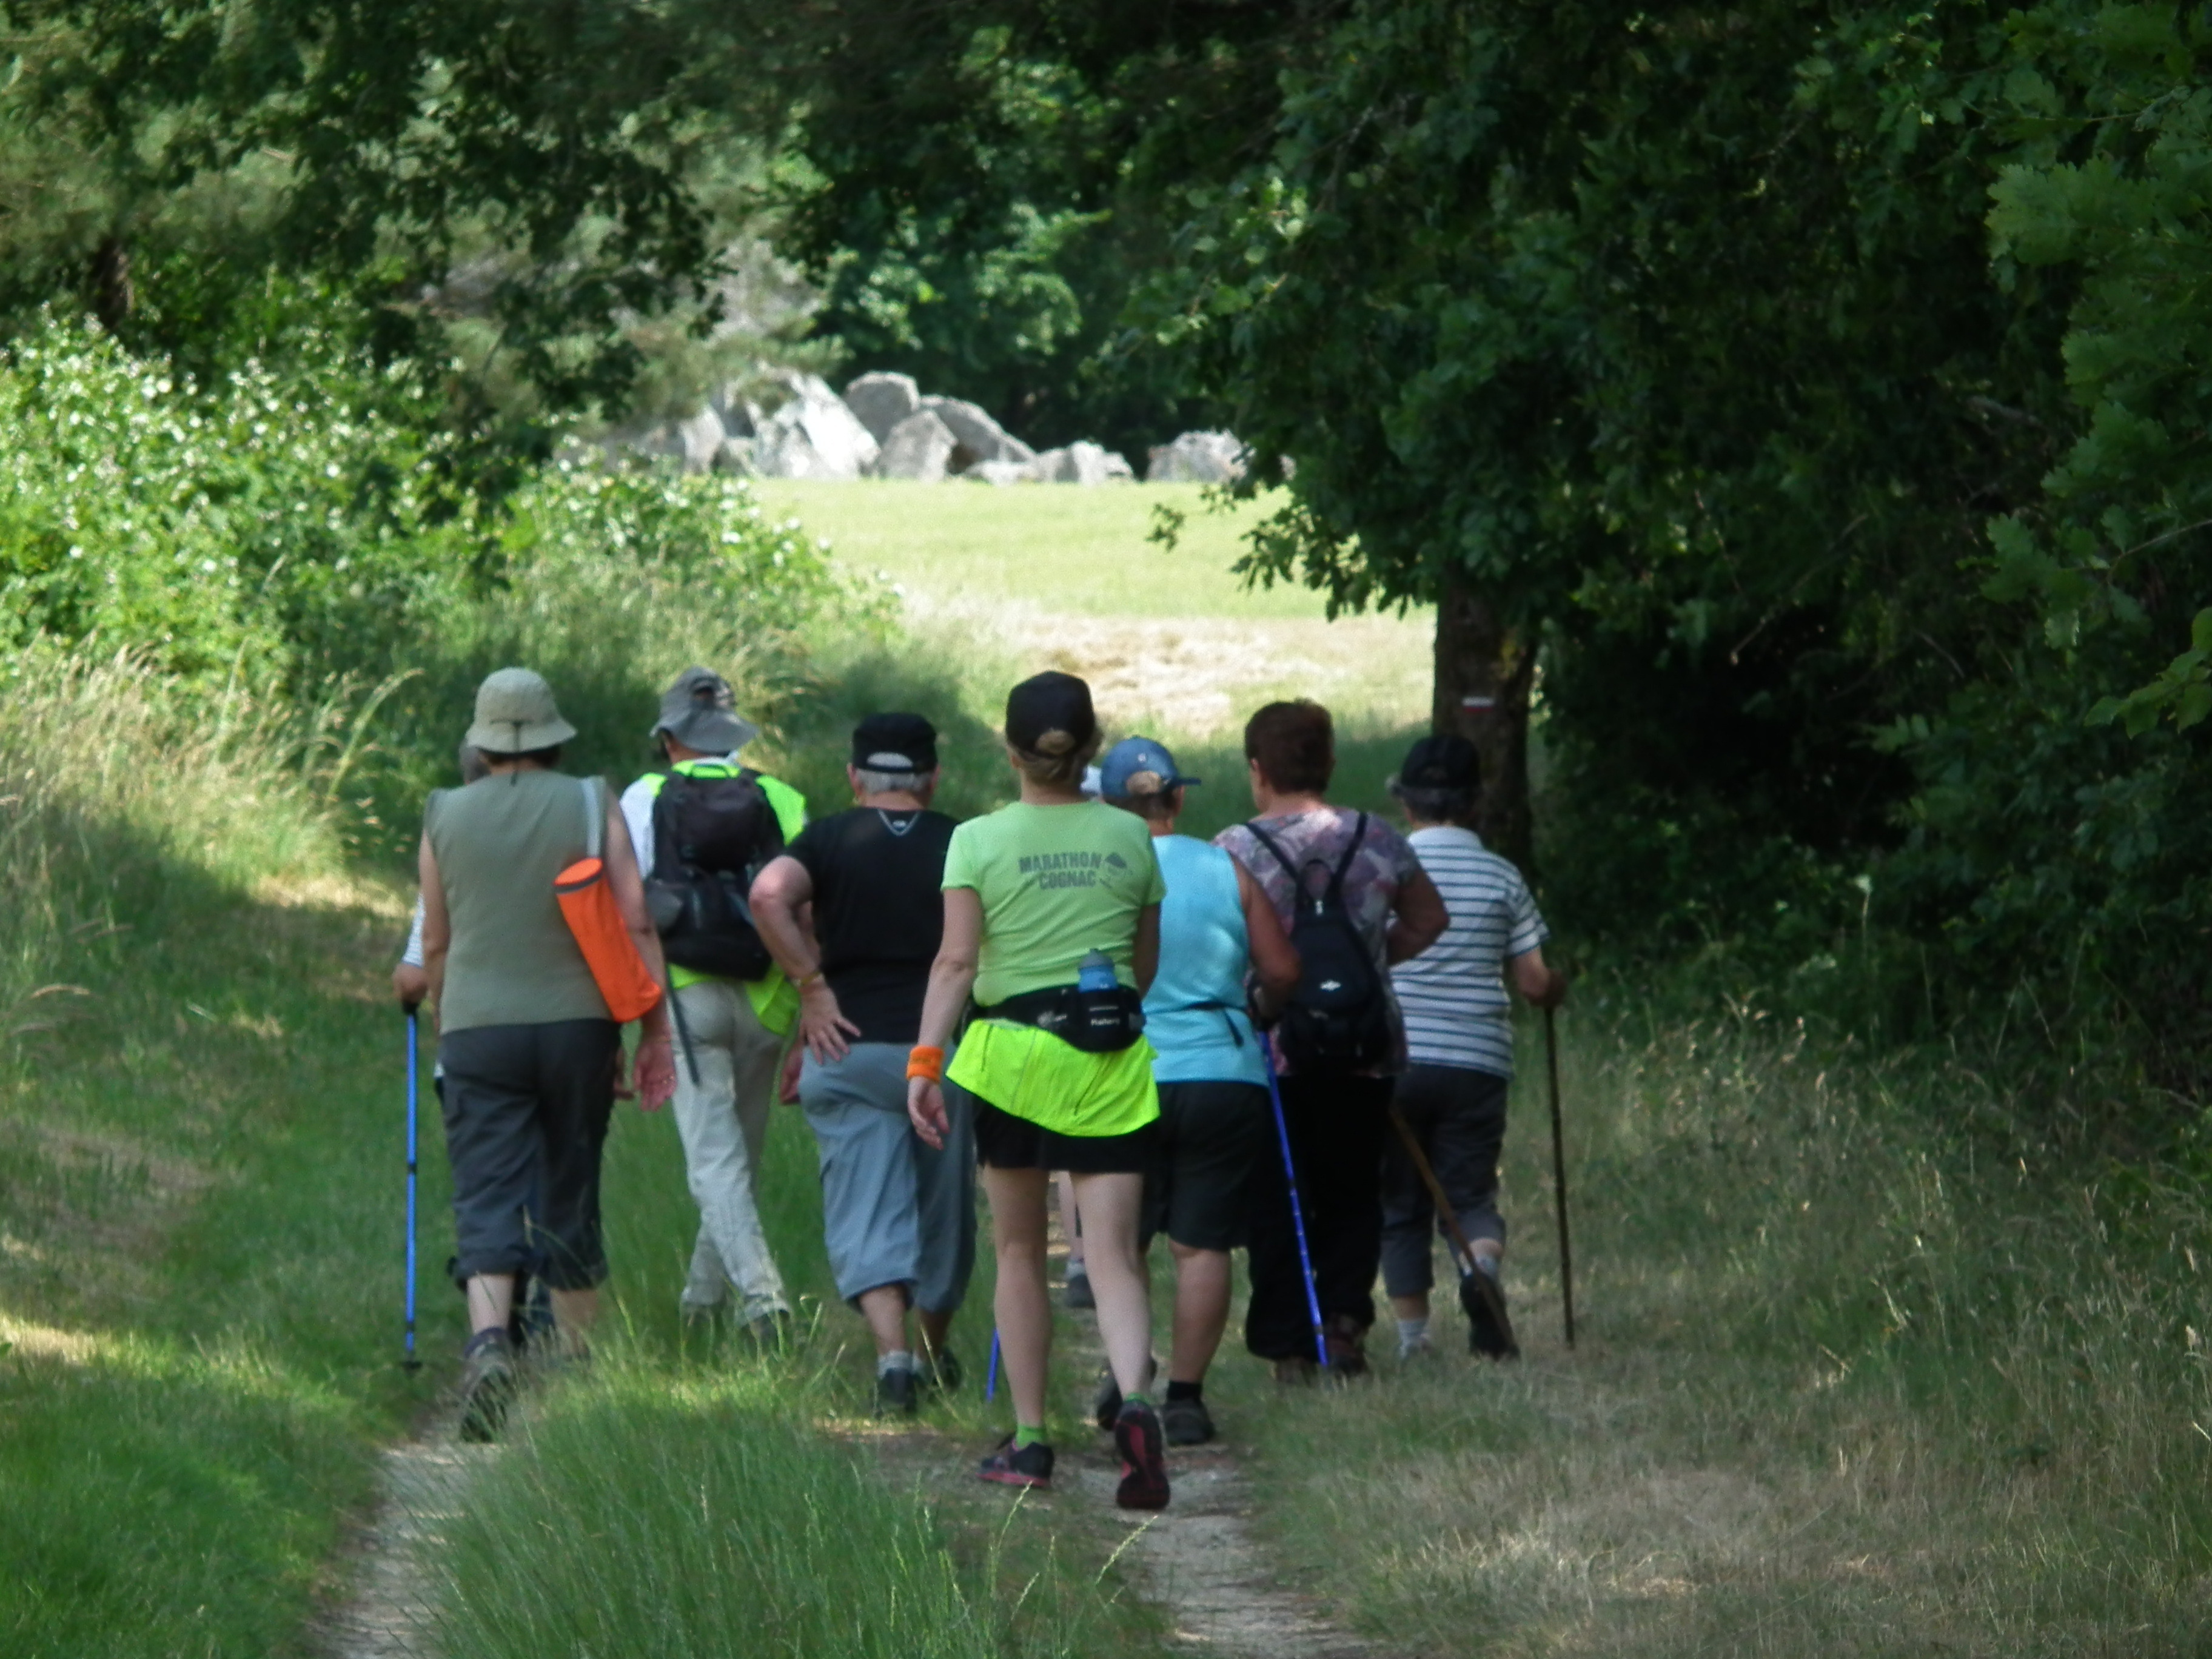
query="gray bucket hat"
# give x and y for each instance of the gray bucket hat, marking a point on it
(699, 711)
(516, 713)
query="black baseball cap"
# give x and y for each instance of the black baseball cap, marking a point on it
(1046, 703)
(1447, 761)
(894, 743)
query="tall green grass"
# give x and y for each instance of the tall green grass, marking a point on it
(200, 1140)
(1861, 1369)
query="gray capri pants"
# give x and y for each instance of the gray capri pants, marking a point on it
(1458, 1114)
(526, 1109)
(894, 1210)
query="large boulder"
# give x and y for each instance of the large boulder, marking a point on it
(882, 401)
(980, 438)
(1000, 473)
(1079, 463)
(1198, 458)
(814, 436)
(919, 446)
(693, 444)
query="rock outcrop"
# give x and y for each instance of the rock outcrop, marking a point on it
(920, 447)
(814, 436)
(883, 400)
(980, 437)
(1198, 458)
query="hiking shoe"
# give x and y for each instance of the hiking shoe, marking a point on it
(1137, 1437)
(769, 1333)
(1416, 1352)
(1187, 1422)
(1489, 1332)
(898, 1392)
(939, 1372)
(1018, 1465)
(1296, 1370)
(1106, 1402)
(487, 1385)
(1077, 1294)
(1348, 1347)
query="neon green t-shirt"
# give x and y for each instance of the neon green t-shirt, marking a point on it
(1056, 883)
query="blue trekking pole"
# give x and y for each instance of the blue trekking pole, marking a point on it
(991, 1378)
(1297, 1209)
(414, 1065)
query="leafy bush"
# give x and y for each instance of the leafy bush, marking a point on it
(293, 534)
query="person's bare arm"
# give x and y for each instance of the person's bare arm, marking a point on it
(1144, 956)
(655, 1074)
(952, 980)
(1536, 980)
(783, 911)
(437, 925)
(1418, 917)
(1274, 959)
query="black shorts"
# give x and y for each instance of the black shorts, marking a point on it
(1004, 1141)
(1210, 1135)
(525, 1109)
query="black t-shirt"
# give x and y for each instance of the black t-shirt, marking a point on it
(878, 911)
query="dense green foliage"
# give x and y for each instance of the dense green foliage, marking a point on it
(1817, 386)
(284, 533)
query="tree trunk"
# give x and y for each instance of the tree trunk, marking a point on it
(112, 296)
(1483, 680)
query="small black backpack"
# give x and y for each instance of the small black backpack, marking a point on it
(710, 838)
(1338, 1020)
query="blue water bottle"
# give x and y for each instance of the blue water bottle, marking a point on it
(1096, 972)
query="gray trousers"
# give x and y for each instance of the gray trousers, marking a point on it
(894, 1210)
(1458, 1115)
(723, 1119)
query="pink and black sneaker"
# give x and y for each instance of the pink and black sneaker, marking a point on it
(1137, 1437)
(1018, 1465)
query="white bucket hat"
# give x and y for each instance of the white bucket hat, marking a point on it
(516, 714)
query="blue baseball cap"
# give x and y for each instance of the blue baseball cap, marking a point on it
(1138, 765)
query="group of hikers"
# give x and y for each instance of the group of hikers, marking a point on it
(1203, 1040)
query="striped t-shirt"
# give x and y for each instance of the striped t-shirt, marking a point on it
(1454, 993)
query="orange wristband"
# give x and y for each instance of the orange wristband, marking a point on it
(927, 1062)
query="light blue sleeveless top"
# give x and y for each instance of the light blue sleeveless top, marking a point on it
(1194, 1012)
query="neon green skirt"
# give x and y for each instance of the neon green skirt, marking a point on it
(1035, 1076)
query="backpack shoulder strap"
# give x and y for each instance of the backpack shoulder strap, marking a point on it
(1351, 851)
(595, 817)
(1268, 842)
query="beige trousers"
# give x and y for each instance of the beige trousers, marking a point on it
(723, 1119)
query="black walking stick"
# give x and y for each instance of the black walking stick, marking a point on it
(1559, 1177)
(414, 1068)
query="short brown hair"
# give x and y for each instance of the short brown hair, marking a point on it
(1295, 743)
(1157, 806)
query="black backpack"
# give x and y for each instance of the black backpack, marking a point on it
(1338, 1020)
(710, 838)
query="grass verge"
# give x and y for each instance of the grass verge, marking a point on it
(1851, 1380)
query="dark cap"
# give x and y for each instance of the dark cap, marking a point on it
(1138, 765)
(1445, 761)
(894, 743)
(1047, 704)
(699, 711)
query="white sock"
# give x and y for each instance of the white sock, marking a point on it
(1411, 1333)
(1487, 1264)
(899, 1359)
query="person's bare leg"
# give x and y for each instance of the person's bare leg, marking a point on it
(1411, 1307)
(575, 1313)
(1201, 1311)
(884, 1308)
(935, 1328)
(1070, 1223)
(1023, 1306)
(1109, 1205)
(491, 1302)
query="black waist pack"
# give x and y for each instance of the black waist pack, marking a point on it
(1096, 1021)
